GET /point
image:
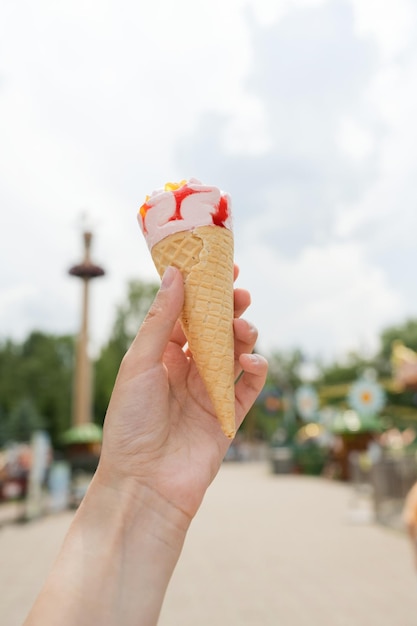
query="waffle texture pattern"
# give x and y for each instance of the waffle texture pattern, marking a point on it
(205, 258)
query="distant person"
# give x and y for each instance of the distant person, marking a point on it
(162, 447)
(410, 519)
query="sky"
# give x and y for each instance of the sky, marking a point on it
(303, 110)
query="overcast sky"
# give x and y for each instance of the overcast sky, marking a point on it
(303, 110)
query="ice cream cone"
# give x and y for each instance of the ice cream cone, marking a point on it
(204, 256)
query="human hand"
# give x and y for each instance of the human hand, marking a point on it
(162, 447)
(160, 429)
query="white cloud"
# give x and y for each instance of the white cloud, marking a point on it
(385, 215)
(329, 300)
(355, 140)
(270, 11)
(304, 109)
(247, 131)
(93, 97)
(390, 23)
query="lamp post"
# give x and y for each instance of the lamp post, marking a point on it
(86, 271)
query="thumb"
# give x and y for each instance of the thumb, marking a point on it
(154, 334)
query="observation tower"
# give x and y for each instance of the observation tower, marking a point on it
(82, 405)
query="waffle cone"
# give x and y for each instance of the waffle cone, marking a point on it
(205, 258)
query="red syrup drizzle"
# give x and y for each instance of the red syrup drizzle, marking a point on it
(219, 217)
(222, 212)
(180, 195)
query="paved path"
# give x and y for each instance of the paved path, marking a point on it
(265, 550)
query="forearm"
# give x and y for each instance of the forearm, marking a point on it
(116, 562)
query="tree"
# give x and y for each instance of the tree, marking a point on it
(129, 316)
(400, 405)
(284, 369)
(274, 404)
(23, 421)
(406, 333)
(38, 372)
(11, 375)
(345, 371)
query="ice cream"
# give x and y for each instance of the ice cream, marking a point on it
(189, 225)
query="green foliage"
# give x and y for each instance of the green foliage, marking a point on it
(132, 312)
(282, 380)
(259, 425)
(284, 369)
(338, 373)
(36, 384)
(310, 457)
(21, 423)
(401, 406)
(406, 333)
(36, 376)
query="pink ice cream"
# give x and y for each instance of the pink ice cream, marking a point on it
(183, 206)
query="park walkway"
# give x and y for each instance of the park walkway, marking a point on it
(265, 550)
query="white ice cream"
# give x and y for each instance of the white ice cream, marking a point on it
(183, 207)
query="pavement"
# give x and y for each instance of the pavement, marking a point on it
(264, 550)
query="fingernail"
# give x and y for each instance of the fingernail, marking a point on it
(168, 277)
(254, 358)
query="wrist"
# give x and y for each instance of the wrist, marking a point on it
(135, 509)
(123, 538)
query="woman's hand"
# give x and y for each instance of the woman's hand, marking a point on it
(162, 447)
(160, 430)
